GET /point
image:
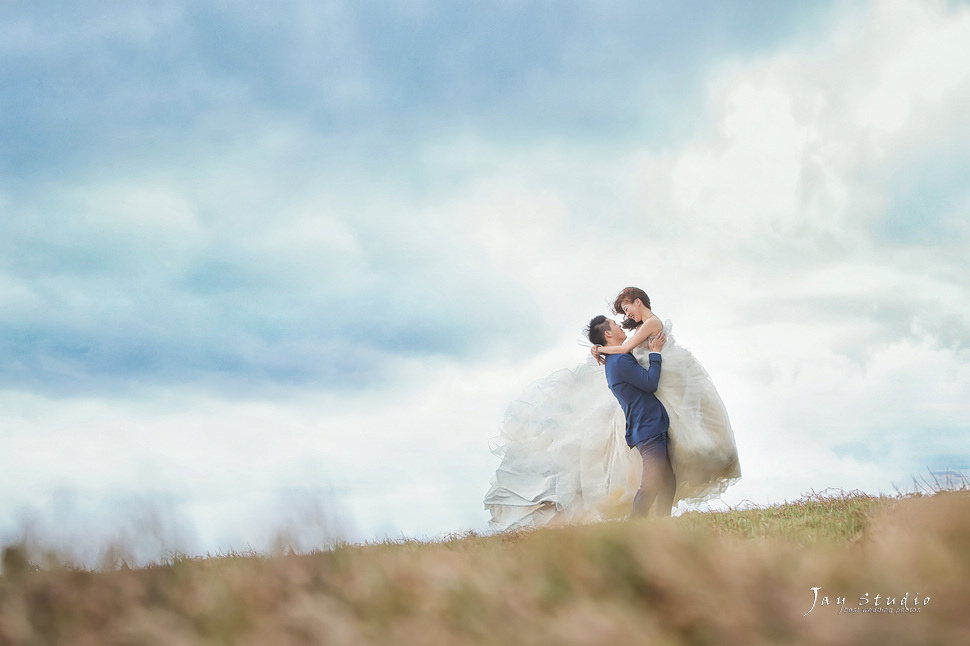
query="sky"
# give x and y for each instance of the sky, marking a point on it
(282, 267)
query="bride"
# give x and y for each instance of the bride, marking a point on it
(563, 448)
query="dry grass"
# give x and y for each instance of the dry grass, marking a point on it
(736, 577)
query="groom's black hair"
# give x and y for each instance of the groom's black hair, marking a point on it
(596, 330)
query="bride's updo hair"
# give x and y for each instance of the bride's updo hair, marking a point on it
(629, 295)
(596, 330)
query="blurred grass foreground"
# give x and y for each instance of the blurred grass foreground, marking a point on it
(831, 568)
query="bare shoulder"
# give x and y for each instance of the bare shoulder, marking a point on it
(653, 325)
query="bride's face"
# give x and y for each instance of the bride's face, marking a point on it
(631, 310)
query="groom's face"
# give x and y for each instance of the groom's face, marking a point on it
(616, 334)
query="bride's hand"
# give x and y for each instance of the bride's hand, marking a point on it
(595, 351)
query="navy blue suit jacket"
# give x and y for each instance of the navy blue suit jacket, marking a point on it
(634, 386)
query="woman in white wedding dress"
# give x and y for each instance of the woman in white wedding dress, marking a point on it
(563, 447)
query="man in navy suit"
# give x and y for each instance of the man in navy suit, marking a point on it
(646, 419)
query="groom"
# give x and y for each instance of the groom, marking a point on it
(646, 419)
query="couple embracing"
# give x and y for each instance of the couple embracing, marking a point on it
(644, 431)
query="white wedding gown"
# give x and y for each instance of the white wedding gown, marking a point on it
(564, 453)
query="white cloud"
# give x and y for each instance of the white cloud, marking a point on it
(148, 210)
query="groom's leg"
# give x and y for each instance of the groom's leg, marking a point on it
(665, 499)
(654, 455)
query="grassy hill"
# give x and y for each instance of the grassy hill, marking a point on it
(886, 571)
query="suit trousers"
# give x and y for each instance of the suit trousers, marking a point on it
(658, 483)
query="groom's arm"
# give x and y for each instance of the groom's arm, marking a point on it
(646, 379)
